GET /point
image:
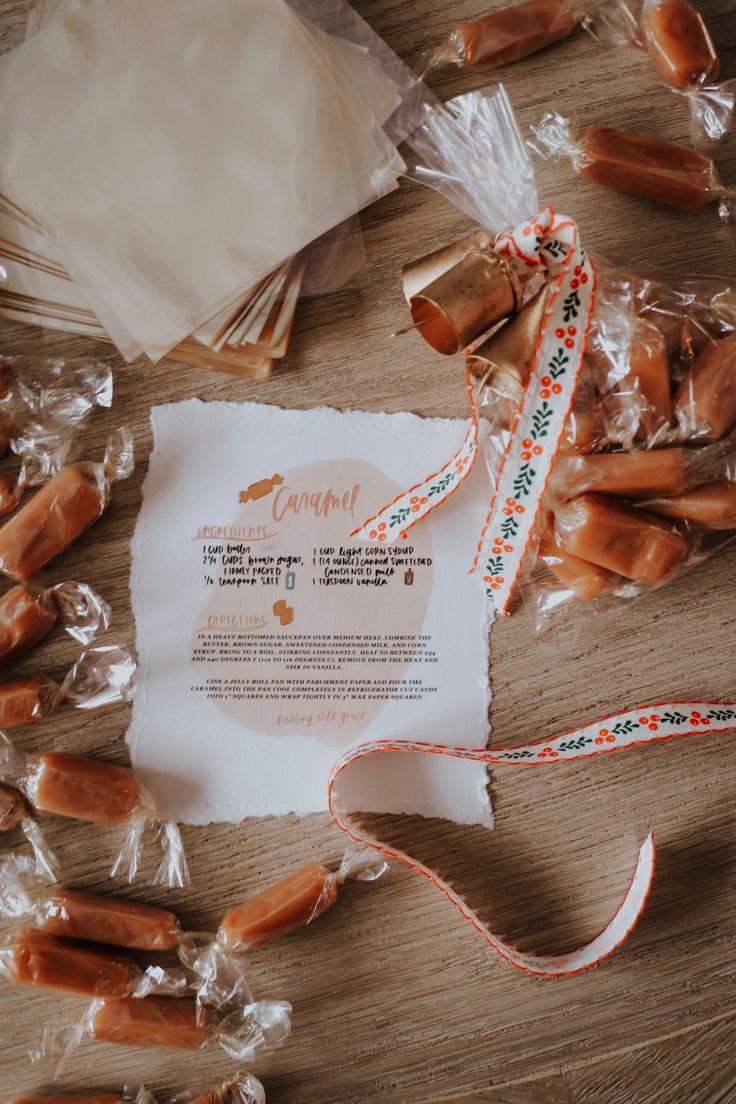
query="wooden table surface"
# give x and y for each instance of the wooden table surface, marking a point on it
(394, 996)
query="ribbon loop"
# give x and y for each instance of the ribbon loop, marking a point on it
(628, 729)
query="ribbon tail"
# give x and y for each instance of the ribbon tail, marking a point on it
(412, 506)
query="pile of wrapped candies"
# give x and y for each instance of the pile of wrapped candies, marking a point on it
(64, 939)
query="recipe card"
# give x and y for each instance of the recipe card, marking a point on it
(270, 641)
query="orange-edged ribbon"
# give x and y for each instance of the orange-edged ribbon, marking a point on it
(635, 727)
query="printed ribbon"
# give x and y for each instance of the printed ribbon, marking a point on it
(623, 730)
(551, 243)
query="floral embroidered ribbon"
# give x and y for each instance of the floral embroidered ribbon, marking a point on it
(540, 420)
(623, 730)
(552, 244)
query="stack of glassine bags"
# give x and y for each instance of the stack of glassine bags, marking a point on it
(167, 166)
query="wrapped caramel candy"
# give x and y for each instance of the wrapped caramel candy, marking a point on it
(243, 1088)
(648, 167)
(682, 49)
(27, 896)
(245, 1030)
(619, 538)
(710, 506)
(101, 676)
(28, 613)
(57, 514)
(705, 403)
(125, 1097)
(512, 33)
(289, 904)
(48, 962)
(86, 789)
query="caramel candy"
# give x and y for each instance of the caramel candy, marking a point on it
(75, 1098)
(26, 700)
(49, 522)
(515, 32)
(155, 1022)
(712, 506)
(25, 618)
(620, 538)
(659, 471)
(78, 915)
(85, 789)
(705, 402)
(289, 904)
(585, 579)
(35, 958)
(649, 372)
(13, 808)
(648, 167)
(584, 431)
(679, 44)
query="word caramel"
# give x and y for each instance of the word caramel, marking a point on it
(319, 503)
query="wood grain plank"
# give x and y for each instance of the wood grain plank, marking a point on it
(394, 997)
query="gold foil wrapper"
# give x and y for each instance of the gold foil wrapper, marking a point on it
(418, 275)
(466, 301)
(503, 361)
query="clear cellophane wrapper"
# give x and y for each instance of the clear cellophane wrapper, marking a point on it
(93, 791)
(644, 481)
(44, 401)
(15, 813)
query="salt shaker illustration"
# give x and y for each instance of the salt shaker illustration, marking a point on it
(408, 577)
(290, 580)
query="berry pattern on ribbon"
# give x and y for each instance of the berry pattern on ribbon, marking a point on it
(411, 506)
(623, 730)
(553, 243)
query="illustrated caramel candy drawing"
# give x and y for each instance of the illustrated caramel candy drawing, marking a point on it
(260, 489)
(283, 611)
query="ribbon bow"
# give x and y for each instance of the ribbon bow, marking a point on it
(551, 243)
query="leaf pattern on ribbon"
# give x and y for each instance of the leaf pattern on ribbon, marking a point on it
(509, 527)
(571, 306)
(494, 565)
(722, 715)
(575, 745)
(524, 479)
(674, 717)
(557, 364)
(625, 728)
(441, 485)
(400, 516)
(541, 420)
(556, 248)
(523, 753)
